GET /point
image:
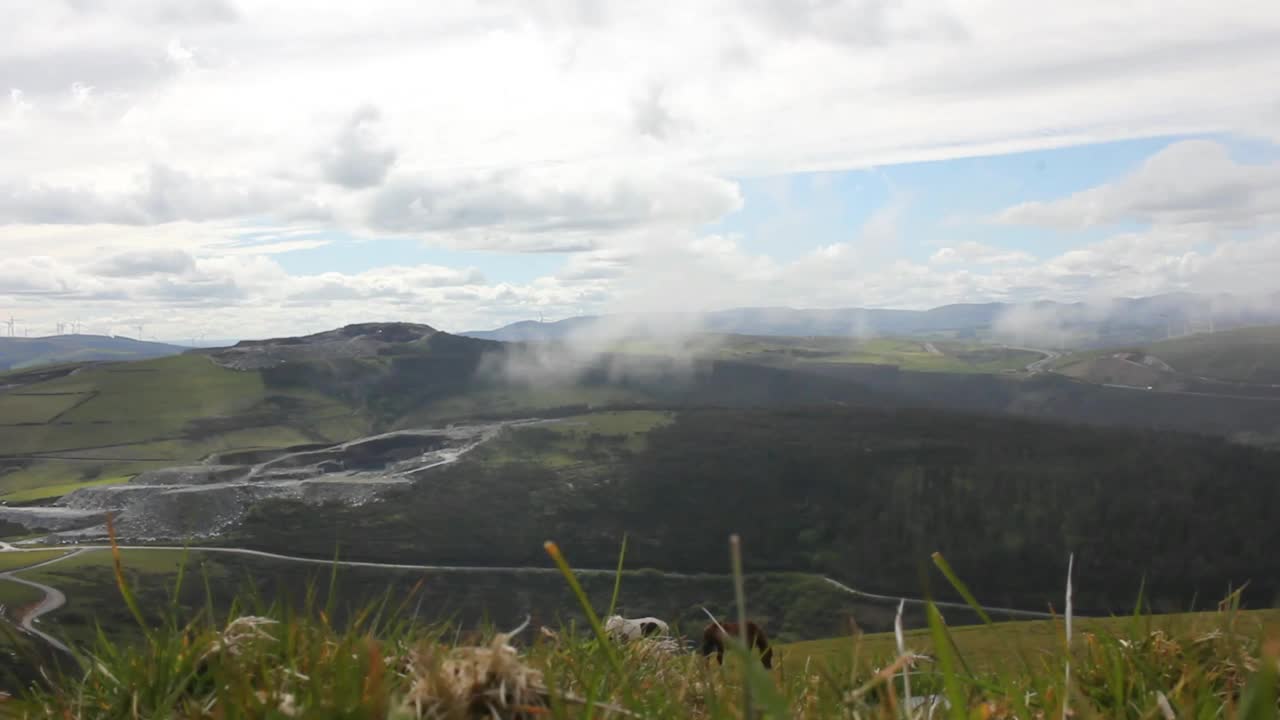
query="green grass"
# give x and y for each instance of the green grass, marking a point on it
(15, 560)
(1011, 643)
(15, 595)
(1243, 354)
(951, 356)
(575, 440)
(144, 561)
(16, 407)
(516, 400)
(1249, 355)
(45, 492)
(155, 413)
(382, 664)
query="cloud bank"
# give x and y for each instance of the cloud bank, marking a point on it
(168, 160)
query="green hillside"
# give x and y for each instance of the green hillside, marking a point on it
(1250, 355)
(118, 419)
(22, 352)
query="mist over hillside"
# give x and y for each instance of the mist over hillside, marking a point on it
(1045, 323)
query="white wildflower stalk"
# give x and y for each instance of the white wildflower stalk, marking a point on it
(1066, 686)
(906, 669)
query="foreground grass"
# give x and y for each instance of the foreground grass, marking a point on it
(275, 663)
(272, 661)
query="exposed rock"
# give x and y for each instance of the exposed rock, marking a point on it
(352, 341)
(204, 500)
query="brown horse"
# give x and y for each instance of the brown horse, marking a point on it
(713, 640)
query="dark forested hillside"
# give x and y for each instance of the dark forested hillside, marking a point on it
(858, 494)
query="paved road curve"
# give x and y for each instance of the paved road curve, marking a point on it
(55, 599)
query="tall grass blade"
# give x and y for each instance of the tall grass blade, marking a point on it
(333, 586)
(1258, 701)
(1066, 684)
(740, 597)
(121, 582)
(617, 579)
(1137, 606)
(177, 583)
(900, 637)
(960, 587)
(946, 659)
(605, 645)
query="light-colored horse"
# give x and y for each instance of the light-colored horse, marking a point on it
(625, 629)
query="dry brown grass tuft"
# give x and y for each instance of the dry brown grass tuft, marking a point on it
(465, 682)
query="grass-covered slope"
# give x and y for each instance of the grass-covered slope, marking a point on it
(65, 426)
(1249, 355)
(1242, 355)
(117, 419)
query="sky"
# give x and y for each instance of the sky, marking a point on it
(187, 169)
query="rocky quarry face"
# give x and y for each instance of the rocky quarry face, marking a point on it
(201, 501)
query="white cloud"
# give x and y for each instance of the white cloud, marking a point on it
(551, 201)
(976, 253)
(138, 134)
(356, 159)
(161, 195)
(134, 263)
(1191, 182)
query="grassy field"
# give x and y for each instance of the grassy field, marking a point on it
(517, 400)
(29, 408)
(574, 440)
(1017, 643)
(923, 355)
(15, 560)
(45, 492)
(121, 419)
(15, 595)
(1244, 355)
(137, 560)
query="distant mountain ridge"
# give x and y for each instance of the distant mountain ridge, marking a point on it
(1080, 324)
(23, 352)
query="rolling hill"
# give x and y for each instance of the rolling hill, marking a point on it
(18, 352)
(1242, 362)
(1246, 355)
(74, 424)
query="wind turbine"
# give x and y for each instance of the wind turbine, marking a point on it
(11, 322)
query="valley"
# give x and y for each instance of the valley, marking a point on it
(413, 455)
